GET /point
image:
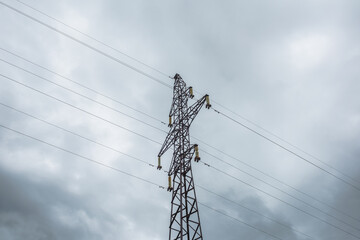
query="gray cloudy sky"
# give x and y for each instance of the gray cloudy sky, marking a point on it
(291, 67)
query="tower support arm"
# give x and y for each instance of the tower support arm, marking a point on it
(194, 109)
(169, 141)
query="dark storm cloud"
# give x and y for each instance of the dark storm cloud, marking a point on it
(34, 206)
(232, 230)
(290, 66)
(28, 210)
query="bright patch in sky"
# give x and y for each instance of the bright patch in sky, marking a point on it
(309, 50)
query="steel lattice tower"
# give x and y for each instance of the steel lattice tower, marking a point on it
(184, 218)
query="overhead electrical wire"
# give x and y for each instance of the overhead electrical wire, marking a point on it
(88, 46)
(83, 157)
(76, 134)
(81, 95)
(93, 141)
(236, 219)
(75, 40)
(164, 74)
(82, 85)
(86, 97)
(145, 74)
(131, 67)
(111, 108)
(282, 191)
(279, 199)
(144, 162)
(78, 108)
(92, 38)
(269, 176)
(287, 142)
(131, 175)
(286, 149)
(148, 116)
(253, 211)
(249, 185)
(81, 110)
(136, 70)
(116, 110)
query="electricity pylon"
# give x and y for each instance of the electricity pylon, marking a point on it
(184, 218)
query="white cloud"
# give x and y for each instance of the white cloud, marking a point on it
(308, 50)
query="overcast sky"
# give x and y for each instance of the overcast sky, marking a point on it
(286, 68)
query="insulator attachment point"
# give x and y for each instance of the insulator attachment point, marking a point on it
(170, 122)
(197, 157)
(159, 167)
(208, 105)
(191, 92)
(170, 188)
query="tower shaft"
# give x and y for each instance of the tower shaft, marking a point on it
(184, 217)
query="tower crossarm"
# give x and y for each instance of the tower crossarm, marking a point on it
(194, 109)
(169, 141)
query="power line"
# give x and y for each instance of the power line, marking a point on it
(150, 126)
(284, 140)
(238, 179)
(86, 112)
(88, 46)
(282, 191)
(83, 157)
(76, 134)
(285, 202)
(166, 75)
(287, 149)
(56, 84)
(104, 104)
(147, 123)
(80, 109)
(103, 145)
(81, 95)
(143, 161)
(261, 135)
(144, 123)
(268, 175)
(93, 38)
(128, 174)
(148, 75)
(253, 211)
(82, 85)
(68, 89)
(238, 220)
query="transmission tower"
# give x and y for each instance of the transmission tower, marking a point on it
(184, 217)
